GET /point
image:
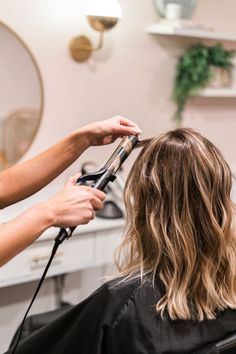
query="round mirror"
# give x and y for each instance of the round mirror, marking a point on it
(188, 6)
(21, 97)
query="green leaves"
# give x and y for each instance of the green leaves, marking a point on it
(193, 71)
(221, 57)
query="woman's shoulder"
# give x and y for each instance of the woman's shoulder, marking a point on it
(116, 291)
(129, 287)
(122, 296)
(121, 285)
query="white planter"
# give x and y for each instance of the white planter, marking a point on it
(221, 78)
(188, 7)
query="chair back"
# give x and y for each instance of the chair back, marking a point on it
(227, 345)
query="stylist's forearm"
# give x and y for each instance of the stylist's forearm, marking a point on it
(25, 179)
(22, 231)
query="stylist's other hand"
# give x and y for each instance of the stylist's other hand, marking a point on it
(107, 131)
(74, 205)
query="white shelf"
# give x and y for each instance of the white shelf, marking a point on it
(218, 92)
(159, 29)
(175, 30)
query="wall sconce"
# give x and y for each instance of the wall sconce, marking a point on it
(102, 15)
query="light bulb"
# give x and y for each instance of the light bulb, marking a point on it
(103, 8)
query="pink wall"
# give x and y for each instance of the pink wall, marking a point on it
(132, 76)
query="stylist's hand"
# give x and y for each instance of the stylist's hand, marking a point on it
(107, 131)
(74, 205)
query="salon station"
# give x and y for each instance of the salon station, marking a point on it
(65, 64)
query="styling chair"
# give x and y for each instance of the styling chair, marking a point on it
(37, 321)
(226, 345)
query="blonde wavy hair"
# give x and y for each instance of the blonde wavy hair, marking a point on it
(179, 225)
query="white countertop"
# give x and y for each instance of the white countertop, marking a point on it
(98, 224)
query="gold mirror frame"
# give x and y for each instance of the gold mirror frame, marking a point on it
(41, 91)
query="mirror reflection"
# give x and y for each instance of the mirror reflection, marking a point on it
(21, 97)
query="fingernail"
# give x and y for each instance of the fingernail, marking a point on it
(137, 130)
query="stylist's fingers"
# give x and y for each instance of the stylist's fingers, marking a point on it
(127, 130)
(96, 203)
(121, 129)
(97, 193)
(96, 198)
(127, 122)
(126, 127)
(119, 133)
(72, 180)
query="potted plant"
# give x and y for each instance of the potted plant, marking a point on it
(197, 68)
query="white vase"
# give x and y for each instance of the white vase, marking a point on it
(187, 7)
(221, 78)
(173, 11)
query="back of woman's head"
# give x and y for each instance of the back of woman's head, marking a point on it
(179, 227)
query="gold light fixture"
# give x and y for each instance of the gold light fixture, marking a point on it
(102, 15)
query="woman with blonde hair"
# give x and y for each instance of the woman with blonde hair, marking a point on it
(175, 291)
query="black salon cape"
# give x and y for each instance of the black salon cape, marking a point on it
(121, 319)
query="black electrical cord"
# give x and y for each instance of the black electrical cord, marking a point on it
(54, 250)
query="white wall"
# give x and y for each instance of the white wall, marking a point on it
(131, 76)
